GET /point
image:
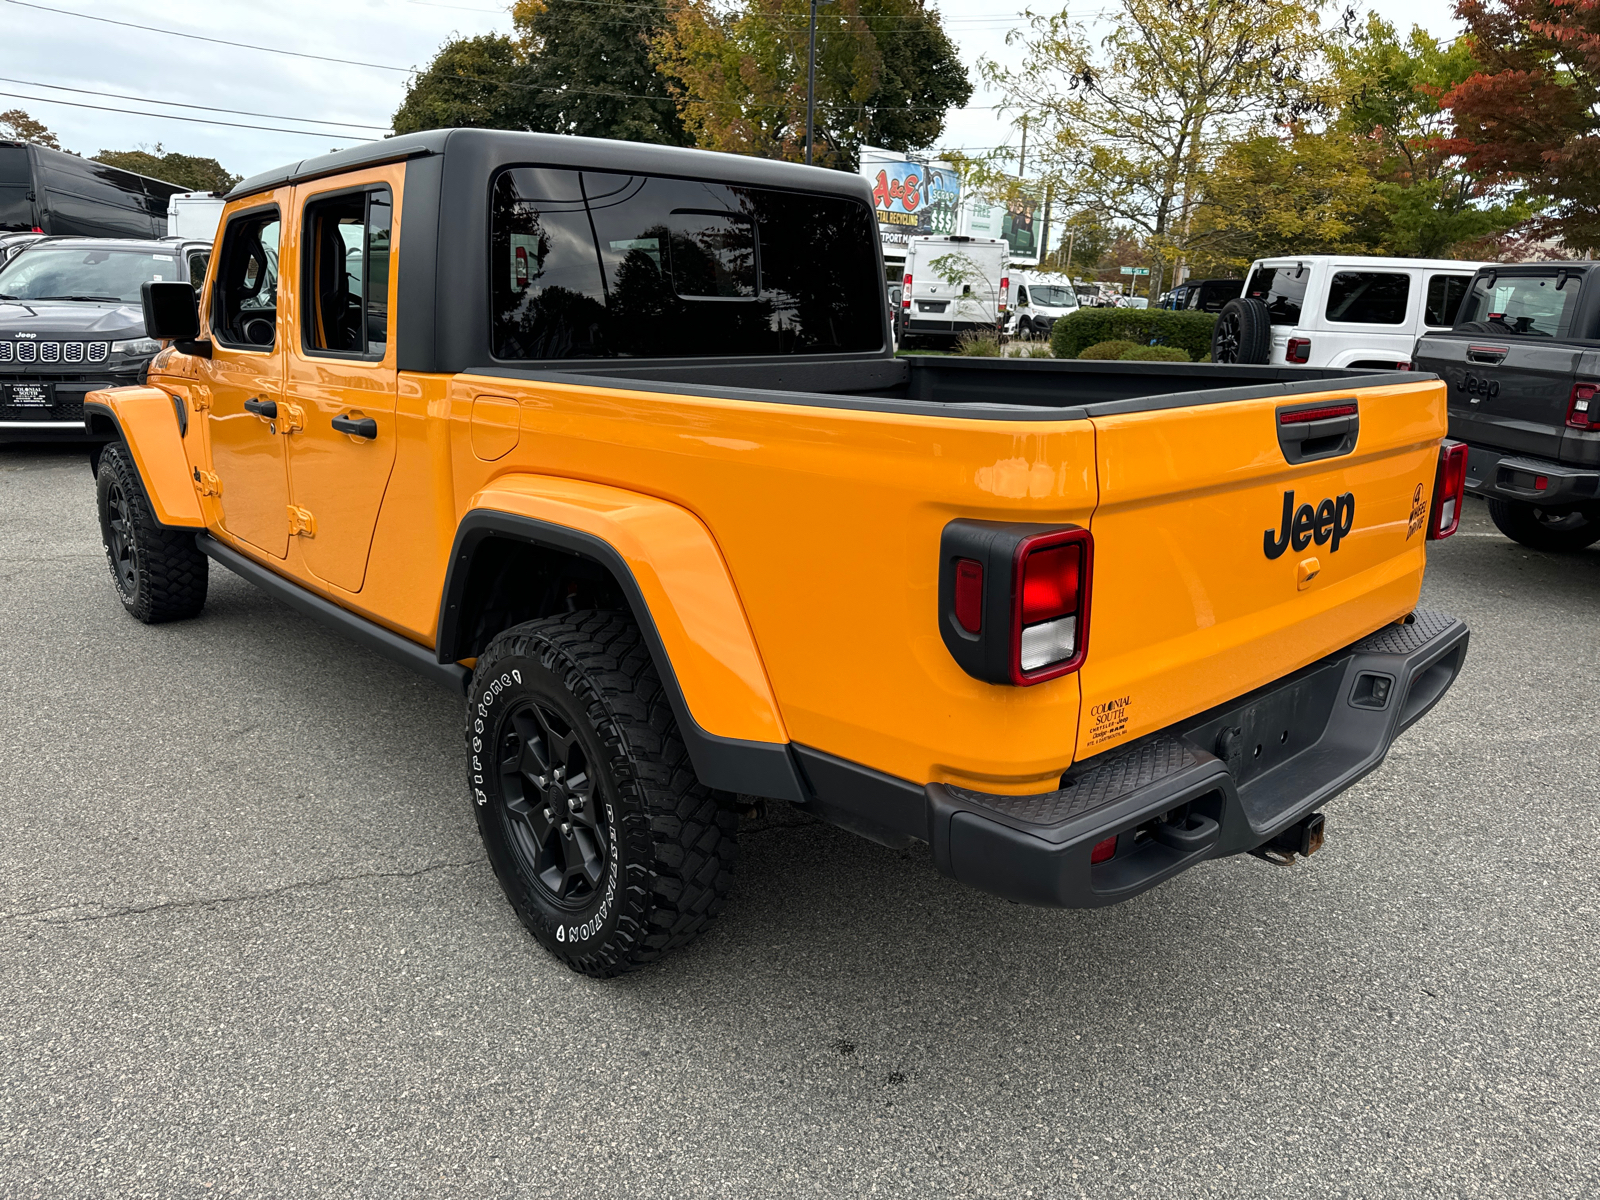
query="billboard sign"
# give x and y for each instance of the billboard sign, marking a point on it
(1012, 220)
(910, 198)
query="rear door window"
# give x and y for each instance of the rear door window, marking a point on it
(598, 265)
(1281, 289)
(346, 310)
(1368, 297)
(1444, 298)
(1536, 305)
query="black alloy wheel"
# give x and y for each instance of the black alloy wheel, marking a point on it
(553, 821)
(121, 549)
(1225, 341)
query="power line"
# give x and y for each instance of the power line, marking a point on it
(347, 62)
(56, 87)
(342, 137)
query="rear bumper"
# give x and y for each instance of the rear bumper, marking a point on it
(1515, 477)
(1233, 778)
(932, 327)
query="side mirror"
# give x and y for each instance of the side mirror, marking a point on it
(171, 311)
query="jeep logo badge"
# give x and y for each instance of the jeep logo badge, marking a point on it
(27, 335)
(1331, 520)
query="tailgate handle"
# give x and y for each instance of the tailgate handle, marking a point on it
(1487, 354)
(1322, 429)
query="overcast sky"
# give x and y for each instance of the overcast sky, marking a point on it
(45, 50)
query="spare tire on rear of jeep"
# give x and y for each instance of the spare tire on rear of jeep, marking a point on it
(1243, 332)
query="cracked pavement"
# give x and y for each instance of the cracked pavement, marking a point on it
(249, 946)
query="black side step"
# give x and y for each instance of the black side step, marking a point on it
(358, 629)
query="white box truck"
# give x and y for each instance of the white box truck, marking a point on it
(194, 215)
(953, 285)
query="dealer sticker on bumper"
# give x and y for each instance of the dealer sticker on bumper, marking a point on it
(26, 395)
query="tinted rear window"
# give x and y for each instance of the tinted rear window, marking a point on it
(1527, 304)
(1444, 297)
(598, 265)
(1282, 289)
(1368, 297)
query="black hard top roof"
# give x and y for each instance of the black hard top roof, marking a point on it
(597, 154)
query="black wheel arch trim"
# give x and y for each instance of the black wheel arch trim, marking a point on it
(728, 764)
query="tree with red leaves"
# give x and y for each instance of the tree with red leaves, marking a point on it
(1530, 119)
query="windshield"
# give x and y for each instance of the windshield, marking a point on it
(1053, 297)
(1539, 305)
(44, 273)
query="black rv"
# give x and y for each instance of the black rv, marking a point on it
(49, 191)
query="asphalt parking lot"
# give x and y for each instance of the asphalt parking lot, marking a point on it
(249, 945)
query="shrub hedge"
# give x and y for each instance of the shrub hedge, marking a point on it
(1107, 350)
(1189, 331)
(1156, 354)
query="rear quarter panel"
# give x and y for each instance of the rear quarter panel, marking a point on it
(829, 522)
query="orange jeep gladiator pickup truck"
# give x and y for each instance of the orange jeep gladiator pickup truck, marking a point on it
(612, 438)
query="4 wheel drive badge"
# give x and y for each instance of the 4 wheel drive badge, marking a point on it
(1331, 520)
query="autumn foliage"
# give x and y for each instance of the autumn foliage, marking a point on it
(1530, 117)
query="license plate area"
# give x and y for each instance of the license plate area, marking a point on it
(932, 306)
(27, 395)
(1266, 731)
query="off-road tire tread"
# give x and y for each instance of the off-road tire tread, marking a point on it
(1517, 522)
(689, 836)
(173, 574)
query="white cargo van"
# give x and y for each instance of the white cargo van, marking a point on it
(1327, 310)
(194, 215)
(953, 285)
(1038, 300)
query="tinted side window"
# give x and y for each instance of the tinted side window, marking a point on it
(1444, 297)
(1369, 297)
(197, 268)
(1527, 304)
(1282, 289)
(597, 265)
(244, 305)
(346, 307)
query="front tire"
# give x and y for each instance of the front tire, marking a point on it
(1539, 530)
(159, 572)
(609, 848)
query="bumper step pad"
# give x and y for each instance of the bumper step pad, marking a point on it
(1314, 733)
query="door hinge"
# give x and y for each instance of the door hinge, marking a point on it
(301, 522)
(207, 483)
(290, 417)
(200, 401)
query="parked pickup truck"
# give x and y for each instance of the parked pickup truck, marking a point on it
(612, 438)
(1523, 367)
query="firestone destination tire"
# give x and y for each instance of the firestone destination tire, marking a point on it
(609, 848)
(159, 573)
(1539, 530)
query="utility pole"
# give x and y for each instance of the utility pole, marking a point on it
(1022, 155)
(811, 83)
(1072, 236)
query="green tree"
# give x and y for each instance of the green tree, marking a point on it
(1389, 95)
(474, 83)
(579, 67)
(185, 170)
(18, 126)
(886, 75)
(1129, 126)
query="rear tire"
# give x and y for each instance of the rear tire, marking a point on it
(609, 848)
(159, 572)
(1539, 530)
(1243, 333)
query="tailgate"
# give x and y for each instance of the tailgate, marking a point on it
(1201, 591)
(1511, 394)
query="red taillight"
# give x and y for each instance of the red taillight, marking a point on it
(1583, 411)
(1299, 350)
(1449, 484)
(1050, 605)
(1316, 414)
(1005, 291)
(36, 229)
(1103, 850)
(969, 595)
(905, 294)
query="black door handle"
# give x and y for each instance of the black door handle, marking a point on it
(262, 408)
(366, 427)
